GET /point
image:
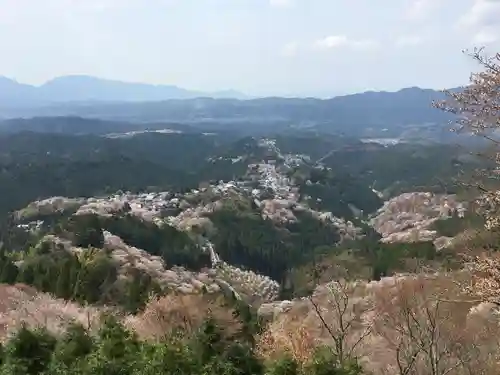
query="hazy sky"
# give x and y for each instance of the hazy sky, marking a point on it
(261, 47)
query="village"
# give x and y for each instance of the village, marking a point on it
(404, 218)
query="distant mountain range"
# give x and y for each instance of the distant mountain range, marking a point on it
(406, 114)
(365, 114)
(80, 88)
(407, 106)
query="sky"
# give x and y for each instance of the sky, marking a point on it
(260, 47)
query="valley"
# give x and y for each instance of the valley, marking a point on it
(250, 217)
(257, 237)
(264, 187)
(152, 222)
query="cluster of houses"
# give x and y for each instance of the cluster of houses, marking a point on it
(266, 183)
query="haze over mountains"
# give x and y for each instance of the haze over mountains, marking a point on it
(85, 88)
(407, 113)
(82, 88)
(87, 96)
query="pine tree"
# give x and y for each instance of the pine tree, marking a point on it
(28, 352)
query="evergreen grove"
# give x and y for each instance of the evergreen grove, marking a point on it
(113, 350)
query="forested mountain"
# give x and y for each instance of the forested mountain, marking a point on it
(148, 224)
(367, 114)
(42, 165)
(78, 125)
(243, 186)
(152, 229)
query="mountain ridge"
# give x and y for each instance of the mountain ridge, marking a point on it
(89, 88)
(364, 109)
(83, 88)
(365, 114)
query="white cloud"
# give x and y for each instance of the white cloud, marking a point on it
(280, 3)
(482, 13)
(290, 49)
(420, 9)
(409, 40)
(342, 41)
(485, 37)
(480, 25)
(333, 41)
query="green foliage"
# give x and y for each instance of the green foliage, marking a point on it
(335, 192)
(87, 231)
(34, 166)
(75, 344)
(172, 357)
(387, 258)
(117, 351)
(136, 291)
(325, 362)
(401, 168)
(251, 325)
(90, 277)
(365, 258)
(8, 270)
(246, 239)
(173, 245)
(454, 225)
(310, 236)
(84, 279)
(284, 366)
(28, 352)
(218, 353)
(250, 241)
